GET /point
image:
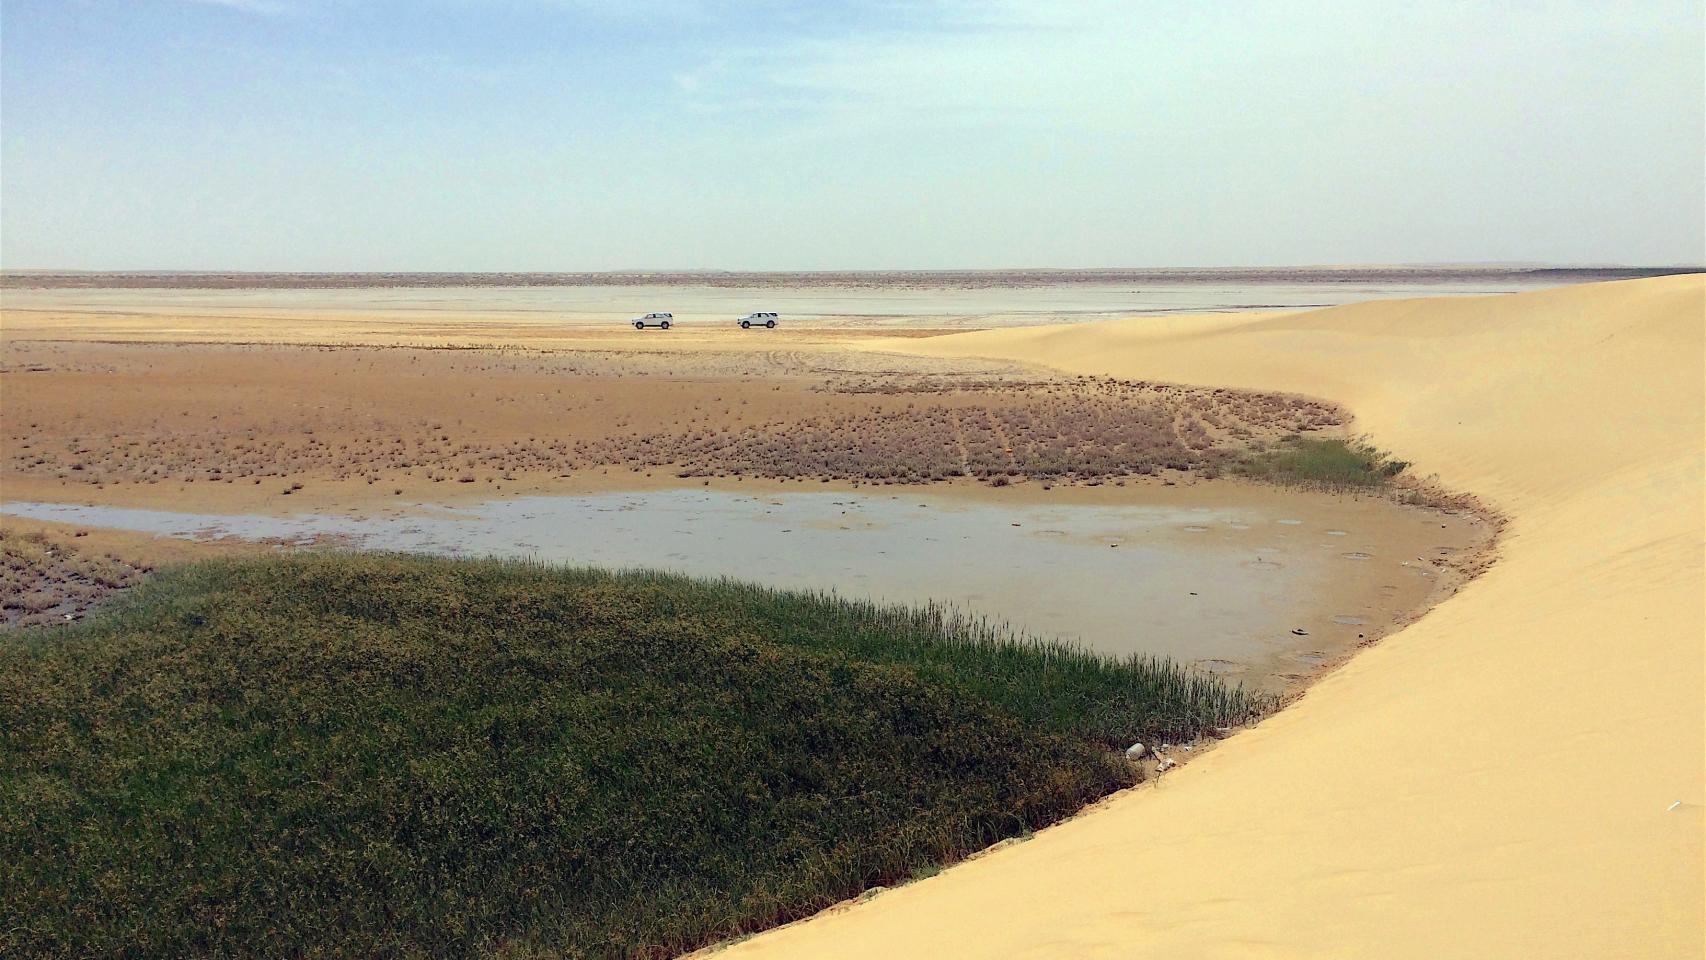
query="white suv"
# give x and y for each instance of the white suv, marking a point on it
(767, 319)
(659, 320)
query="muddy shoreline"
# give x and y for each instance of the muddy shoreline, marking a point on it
(400, 436)
(1268, 593)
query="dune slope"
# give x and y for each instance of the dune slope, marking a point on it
(1496, 780)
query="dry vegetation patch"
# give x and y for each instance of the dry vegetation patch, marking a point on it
(103, 415)
(43, 581)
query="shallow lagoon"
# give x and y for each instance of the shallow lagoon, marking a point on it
(1220, 587)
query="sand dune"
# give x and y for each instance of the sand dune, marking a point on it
(1496, 780)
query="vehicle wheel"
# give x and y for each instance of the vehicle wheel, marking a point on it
(770, 323)
(745, 325)
(664, 325)
(639, 324)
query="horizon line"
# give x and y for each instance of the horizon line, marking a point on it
(1523, 265)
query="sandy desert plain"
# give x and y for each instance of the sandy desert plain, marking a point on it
(1515, 769)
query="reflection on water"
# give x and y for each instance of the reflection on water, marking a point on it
(1184, 582)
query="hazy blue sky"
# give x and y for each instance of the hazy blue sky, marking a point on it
(581, 134)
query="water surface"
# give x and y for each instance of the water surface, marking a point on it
(1222, 587)
(799, 303)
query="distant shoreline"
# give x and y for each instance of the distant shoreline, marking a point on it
(900, 279)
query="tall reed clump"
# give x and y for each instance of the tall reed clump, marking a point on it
(372, 755)
(1329, 463)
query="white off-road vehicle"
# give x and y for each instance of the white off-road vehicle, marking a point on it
(659, 320)
(767, 320)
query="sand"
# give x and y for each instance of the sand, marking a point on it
(1500, 779)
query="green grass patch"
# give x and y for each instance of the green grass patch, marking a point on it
(1322, 463)
(370, 755)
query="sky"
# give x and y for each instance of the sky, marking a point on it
(848, 134)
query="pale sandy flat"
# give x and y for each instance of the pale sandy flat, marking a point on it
(1497, 780)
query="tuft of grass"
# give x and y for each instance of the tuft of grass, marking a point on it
(1322, 462)
(373, 755)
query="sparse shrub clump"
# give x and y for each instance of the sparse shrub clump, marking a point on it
(891, 428)
(357, 755)
(1089, 430)
(46, 582)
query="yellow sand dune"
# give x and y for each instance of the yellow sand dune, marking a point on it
(1496, 780)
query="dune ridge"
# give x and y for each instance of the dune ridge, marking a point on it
(1495, 780)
